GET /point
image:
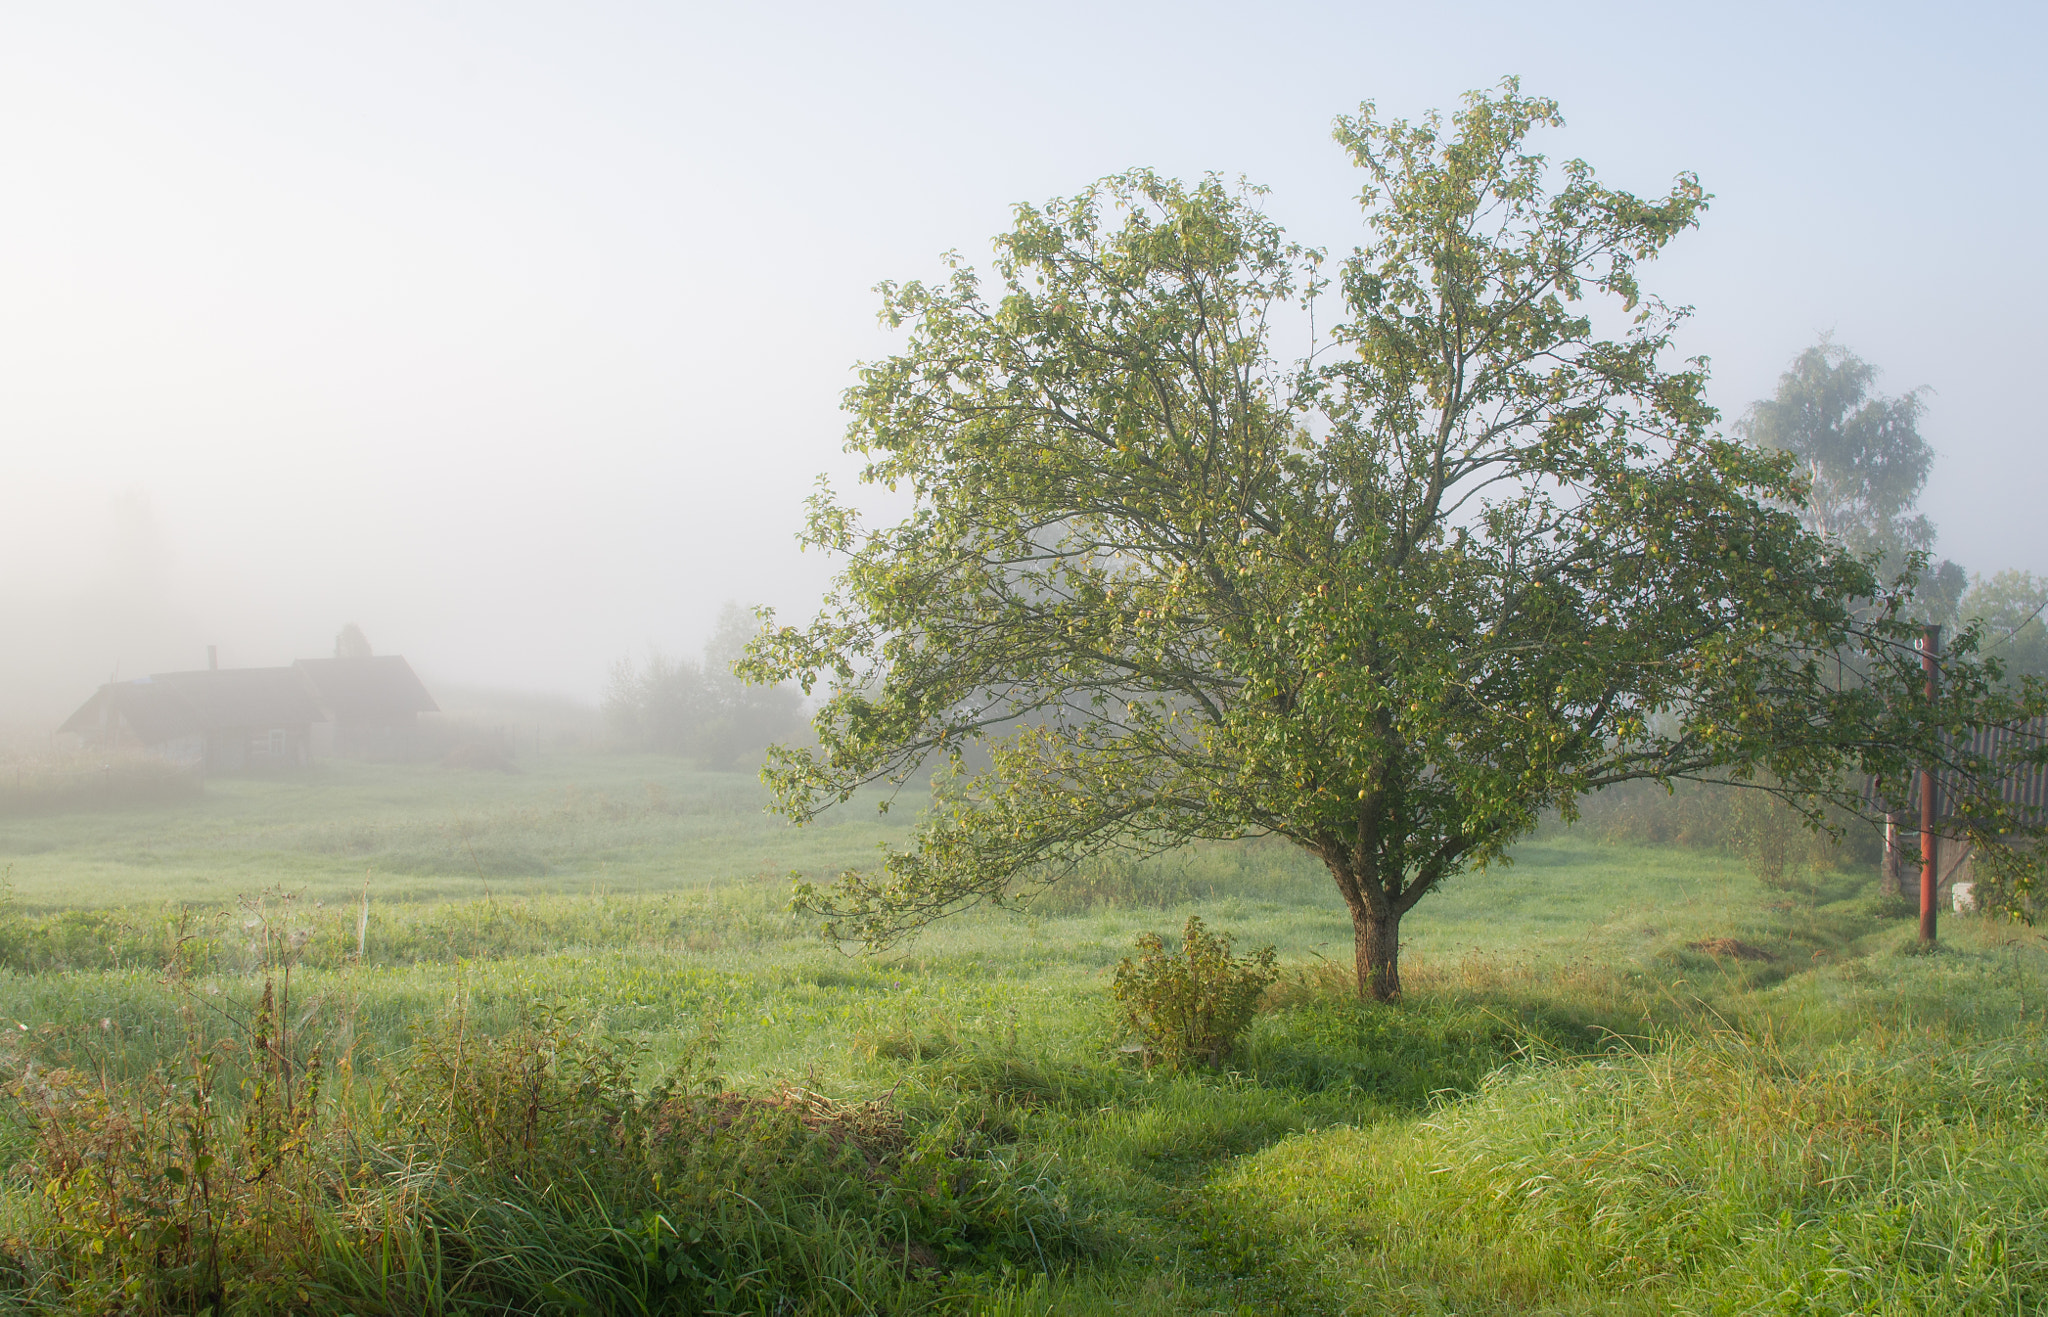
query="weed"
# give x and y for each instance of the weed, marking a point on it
(1189, 1005)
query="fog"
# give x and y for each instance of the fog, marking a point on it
(516, 333)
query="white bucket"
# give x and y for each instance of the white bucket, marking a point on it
(1964, 896)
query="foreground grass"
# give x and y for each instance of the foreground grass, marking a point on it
(1889, 1161)
(1623, 1080)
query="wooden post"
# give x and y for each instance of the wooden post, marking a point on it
(1930, 645)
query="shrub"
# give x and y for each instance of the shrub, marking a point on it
(1190, 1004)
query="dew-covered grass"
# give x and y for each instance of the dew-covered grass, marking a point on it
(1623, 1078)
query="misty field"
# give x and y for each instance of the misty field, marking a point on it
(572, 1053)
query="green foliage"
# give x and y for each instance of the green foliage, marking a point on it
(1862, 463)
(2009, 608)
(1188, 1005)
(154, 1197)
(1390, 602)
(165, 1194)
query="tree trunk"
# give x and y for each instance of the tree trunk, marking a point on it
(1378, 947)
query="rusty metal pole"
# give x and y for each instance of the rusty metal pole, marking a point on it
(1930, 646)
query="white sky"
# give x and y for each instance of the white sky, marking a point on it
(515, 333)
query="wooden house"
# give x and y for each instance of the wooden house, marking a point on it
(371, 705)
(219, 720)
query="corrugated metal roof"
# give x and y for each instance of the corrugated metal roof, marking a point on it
(2026, 785)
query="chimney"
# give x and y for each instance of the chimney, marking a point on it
(212, 659)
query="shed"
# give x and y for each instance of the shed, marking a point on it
(1954, 864)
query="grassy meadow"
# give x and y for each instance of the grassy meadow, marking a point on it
(406, 1039)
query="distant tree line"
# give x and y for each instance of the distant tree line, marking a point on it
(1865, 464)
(698, 708)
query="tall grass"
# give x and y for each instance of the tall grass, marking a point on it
(1723, 1167)
(1736, 820)
(386, 933)
(51, 782)
(521, 1170)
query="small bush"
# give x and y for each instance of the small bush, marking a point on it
(1190, 1004)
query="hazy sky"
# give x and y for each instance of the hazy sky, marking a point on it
(516, 333)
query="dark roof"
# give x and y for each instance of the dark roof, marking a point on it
(171, 704)
(2025, 785)
(355, 689)
(154, 713)
(247, 697)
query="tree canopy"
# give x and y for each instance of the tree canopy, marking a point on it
(2009, 608)
(1864, 463)
(1392, 600)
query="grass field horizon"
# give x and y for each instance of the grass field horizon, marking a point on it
(1623, 1078)
(557, 823)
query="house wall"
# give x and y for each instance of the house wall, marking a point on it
(227, 750)
(254, 749)
(1900, 873)
(390, 739)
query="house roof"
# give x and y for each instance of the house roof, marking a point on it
(247, 697)
(356, 689)
(171, 704)
(2025, 785)
(152, 712)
